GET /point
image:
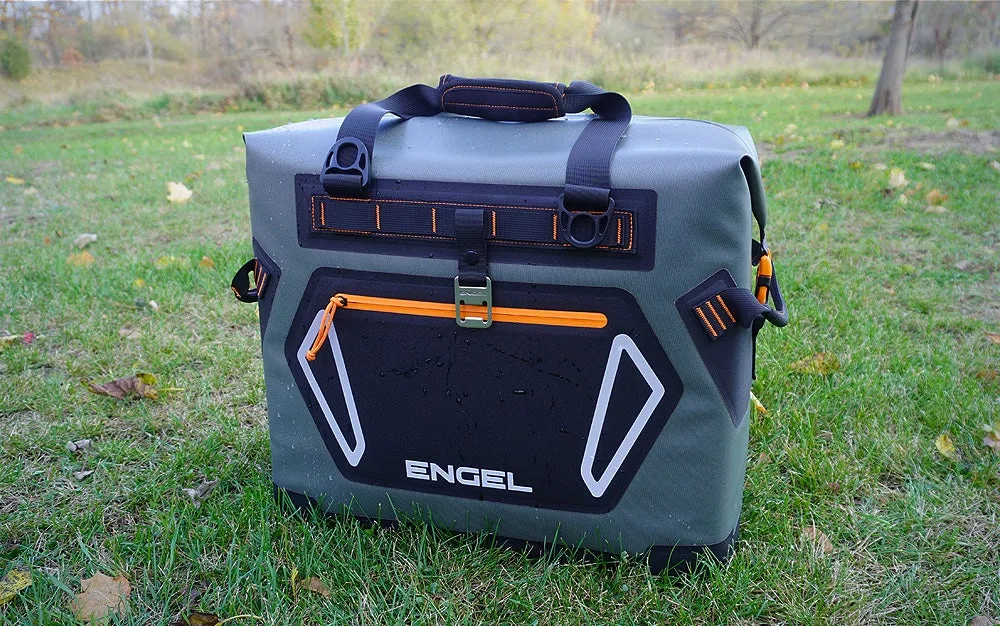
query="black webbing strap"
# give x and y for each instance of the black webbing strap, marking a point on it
(749, 310)
(351, 155)
(245, 288)
(588, 171)
(588, 179)
(470, 242)
(510, 225)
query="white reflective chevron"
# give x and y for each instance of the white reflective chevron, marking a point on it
(621, 343)
(353, 455)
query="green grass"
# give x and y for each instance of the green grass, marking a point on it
(903, 297)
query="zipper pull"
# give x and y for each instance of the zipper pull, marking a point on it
(338, 300)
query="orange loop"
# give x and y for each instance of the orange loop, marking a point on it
(324, 326)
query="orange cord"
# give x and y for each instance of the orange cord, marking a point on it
(324, 326)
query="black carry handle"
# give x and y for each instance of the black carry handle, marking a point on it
(586, 204)
(502, 100)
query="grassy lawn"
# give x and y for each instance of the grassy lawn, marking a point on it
(901, 293)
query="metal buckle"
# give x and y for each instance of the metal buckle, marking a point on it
(474, 296)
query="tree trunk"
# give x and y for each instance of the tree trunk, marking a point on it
(290, 40)
(888, 97)
(147, 41)
(9, 19)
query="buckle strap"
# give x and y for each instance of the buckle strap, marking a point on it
(472, 284)
(249, 282)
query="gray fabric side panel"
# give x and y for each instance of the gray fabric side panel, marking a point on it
(689, 489)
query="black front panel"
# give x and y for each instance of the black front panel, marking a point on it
(502, 414)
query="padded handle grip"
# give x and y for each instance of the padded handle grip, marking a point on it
(502, 100)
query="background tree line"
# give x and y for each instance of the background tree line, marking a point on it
(232, 42)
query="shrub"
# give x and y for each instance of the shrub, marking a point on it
(15, 59)
(991, 63)
(71, 57)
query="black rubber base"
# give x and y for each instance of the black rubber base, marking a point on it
(670, 559)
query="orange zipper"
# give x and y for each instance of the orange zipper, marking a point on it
(543, 317)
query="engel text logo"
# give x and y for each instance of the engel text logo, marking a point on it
(470, 476)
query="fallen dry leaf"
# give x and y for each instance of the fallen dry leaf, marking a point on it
(994, 337)
(316, 585)
(13, 583)
(153, 305)
(81, 259)
(897, 178)
(141, 385)
(926, 166)
(84, 239)
(82, 474)
(128, 332)
(822, 363)
(947, 448)
(195, 618)
(819, 538)
(757, 406)
(14, 180)
(206, 263)
(992, 438)
(27, 339)
(172, 262)
(100, 595)
(177, 192)
(935, 197)
(932, 208)
(78, 446)
(988, 375)
(201, 492)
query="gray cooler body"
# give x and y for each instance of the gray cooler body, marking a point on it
(606, 406)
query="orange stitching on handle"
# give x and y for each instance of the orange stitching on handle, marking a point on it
(494, 230)
(716, 315)
(434, 220)
(499, 106)
(704, 320)
(725, 308)
(263, 281)
(618, 241)
(555, 230)
(555, 105)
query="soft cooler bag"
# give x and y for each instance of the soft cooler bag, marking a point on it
(492, 315)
